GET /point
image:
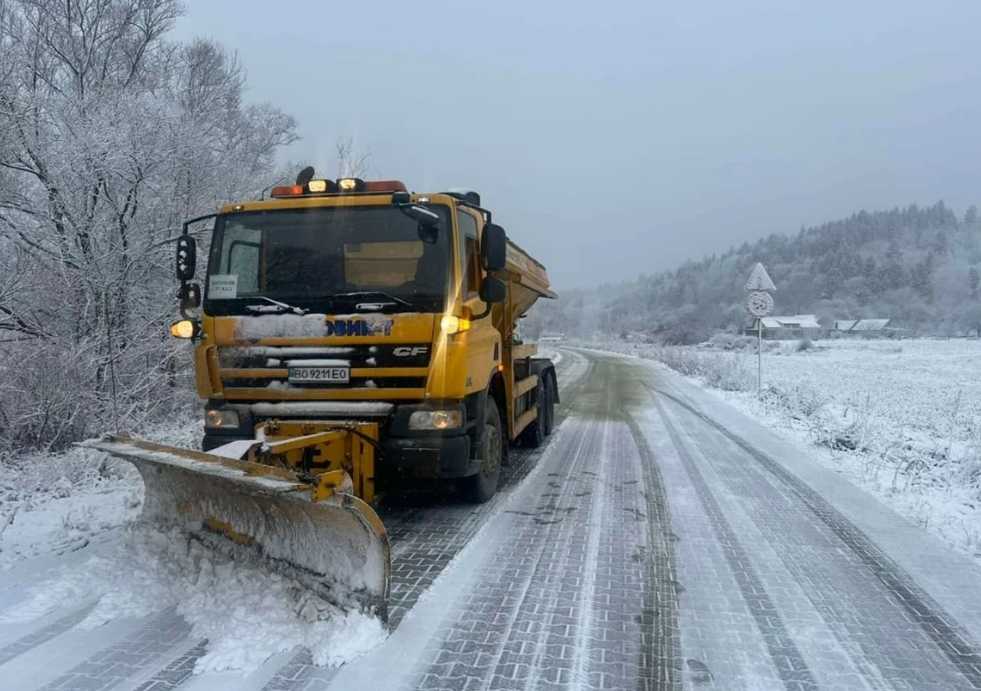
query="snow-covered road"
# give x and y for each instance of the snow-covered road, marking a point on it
(660, 540)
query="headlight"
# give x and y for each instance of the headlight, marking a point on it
(451, 324)
(185, 328)
(435, 419)
(219, 417)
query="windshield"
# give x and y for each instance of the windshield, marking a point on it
(328, 260)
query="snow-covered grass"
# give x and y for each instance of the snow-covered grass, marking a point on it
(900, 418)
(57, 502)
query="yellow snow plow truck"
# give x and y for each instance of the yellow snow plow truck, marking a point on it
(353, 338)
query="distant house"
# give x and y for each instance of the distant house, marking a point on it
(796, 326)
(869, 328)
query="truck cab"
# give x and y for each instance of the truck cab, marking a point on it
(357, 300)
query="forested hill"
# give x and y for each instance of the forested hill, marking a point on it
(918, 266)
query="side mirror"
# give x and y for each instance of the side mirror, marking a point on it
(186, 258)
(493, 248)
(493, 290)
(189, 295)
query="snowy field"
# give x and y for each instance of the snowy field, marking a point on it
(900, 418)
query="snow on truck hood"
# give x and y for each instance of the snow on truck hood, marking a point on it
(294, 408)
(312, 325)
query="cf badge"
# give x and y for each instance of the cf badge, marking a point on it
(409, 351)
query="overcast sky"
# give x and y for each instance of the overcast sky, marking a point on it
(622, 138)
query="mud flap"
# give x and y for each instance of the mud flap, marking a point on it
(337, 546)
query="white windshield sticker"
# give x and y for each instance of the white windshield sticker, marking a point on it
(223, 286)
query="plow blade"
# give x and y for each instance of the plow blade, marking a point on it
(336, 546)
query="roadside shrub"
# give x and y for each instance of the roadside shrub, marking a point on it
(729, 374)
(804, 344)
(723, 371)
(727, 341)
(800, 401)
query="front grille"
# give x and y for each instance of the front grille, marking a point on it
(271, 363)
(386, 355)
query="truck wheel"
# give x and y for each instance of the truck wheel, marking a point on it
(548, 404)
(483, 485)
(533, 435)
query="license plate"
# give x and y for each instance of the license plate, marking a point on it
(313, 375)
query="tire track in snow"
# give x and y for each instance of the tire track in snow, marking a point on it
(537, 573)
(596, 521)
(792, 555)
(829, 584)
(550, 578)
(659, 618)
(955, 644)
(780, 645)
(660, 657)
(576, 621)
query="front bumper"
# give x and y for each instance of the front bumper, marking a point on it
(405, 454)
(434, 457)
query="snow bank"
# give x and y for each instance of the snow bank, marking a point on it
(246, 613)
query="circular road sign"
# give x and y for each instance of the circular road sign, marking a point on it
(759, 303)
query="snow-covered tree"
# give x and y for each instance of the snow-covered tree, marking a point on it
(110, 135)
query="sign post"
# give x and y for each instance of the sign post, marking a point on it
(759, 303)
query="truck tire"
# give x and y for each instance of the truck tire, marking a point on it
(548, 405)
(533, 435)
(483, 485)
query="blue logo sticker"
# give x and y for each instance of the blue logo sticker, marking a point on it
(358, 327)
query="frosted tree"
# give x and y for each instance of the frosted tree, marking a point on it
(110, 135)
(352, 162)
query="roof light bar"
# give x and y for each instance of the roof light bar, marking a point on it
(385, 186)
(342, 186)
(287, 191)
(320, 186)
(350, 184)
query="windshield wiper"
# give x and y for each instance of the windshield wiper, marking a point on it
(394, 299)
(281, 305)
